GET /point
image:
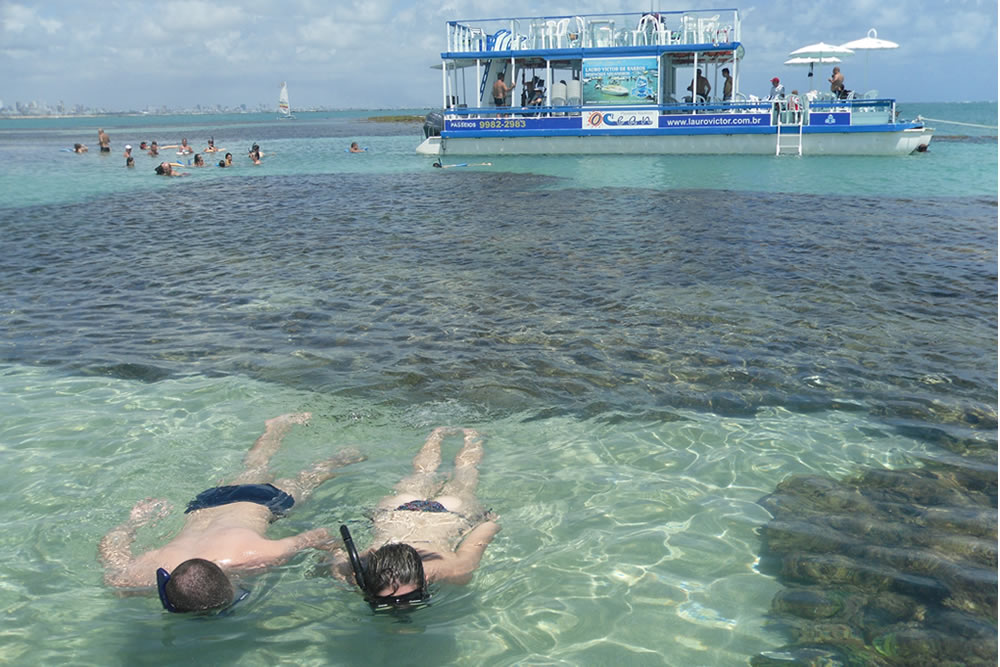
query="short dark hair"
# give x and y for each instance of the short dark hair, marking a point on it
(394, 566)
(199, 585)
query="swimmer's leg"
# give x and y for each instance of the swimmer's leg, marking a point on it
(421, 483)
(302, 486)
(459, 493)
(255, 463)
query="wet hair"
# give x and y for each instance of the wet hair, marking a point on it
(222, 163)
(199, 585)
(392, 567)
(160, 171)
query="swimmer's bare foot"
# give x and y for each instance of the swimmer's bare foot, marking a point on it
(275, 429)
(472, 449)
(307, 480)
(323, 470)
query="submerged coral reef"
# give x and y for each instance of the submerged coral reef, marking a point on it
(891, 567)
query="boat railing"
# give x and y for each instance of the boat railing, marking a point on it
(763, 106)
(791, 110)
(662, 28)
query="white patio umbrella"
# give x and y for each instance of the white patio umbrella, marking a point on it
(819, 51)
(803, 60)
(870, 43)
(822, 50)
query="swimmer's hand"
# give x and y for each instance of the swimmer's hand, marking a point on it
(349, 455)
(149, 510)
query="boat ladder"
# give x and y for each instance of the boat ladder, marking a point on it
(792, 141)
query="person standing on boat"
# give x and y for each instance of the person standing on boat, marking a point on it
(703, 86)
(837, 83)
(777, 90)
(727, 87)
(500, 91)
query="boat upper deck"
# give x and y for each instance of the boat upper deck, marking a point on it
(611, 34)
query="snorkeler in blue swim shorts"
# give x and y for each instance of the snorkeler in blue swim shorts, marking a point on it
(426, 531)
(224, 530)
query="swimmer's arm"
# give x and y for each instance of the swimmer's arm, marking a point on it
(115, 552)
(470, 552)
(284, 549)
(115, 549)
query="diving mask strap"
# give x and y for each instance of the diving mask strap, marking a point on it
(162, 577)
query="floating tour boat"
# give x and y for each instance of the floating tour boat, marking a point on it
(636, 84)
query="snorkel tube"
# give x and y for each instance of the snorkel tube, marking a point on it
(352, 553)
(389, 603)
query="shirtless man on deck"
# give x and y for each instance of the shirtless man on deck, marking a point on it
(427, 531)
(224, 529)
(500, 91)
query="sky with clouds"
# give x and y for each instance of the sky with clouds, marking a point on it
(134, 54)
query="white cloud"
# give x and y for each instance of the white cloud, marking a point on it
(16, 18)
(132, 53)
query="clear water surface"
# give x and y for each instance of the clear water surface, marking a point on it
(649, 344)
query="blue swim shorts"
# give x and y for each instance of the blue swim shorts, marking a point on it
(267, 495)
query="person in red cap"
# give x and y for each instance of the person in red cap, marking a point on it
(777, 90)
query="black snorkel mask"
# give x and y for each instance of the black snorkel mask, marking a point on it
(408, 601)
(162, 577)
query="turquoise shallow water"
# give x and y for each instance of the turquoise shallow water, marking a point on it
(650, 346)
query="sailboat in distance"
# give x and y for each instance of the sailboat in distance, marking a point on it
(284, 111)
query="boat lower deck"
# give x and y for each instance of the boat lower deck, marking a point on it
(864, 127)
(897, 142)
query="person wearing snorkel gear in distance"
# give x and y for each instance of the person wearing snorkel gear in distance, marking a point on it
(426, 531)
(224, 530)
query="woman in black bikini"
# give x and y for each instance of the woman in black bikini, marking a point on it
(427, 530)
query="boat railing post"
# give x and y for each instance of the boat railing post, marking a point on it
(444, 84)
(548, 84)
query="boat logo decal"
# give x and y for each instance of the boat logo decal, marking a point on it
(622, 119)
